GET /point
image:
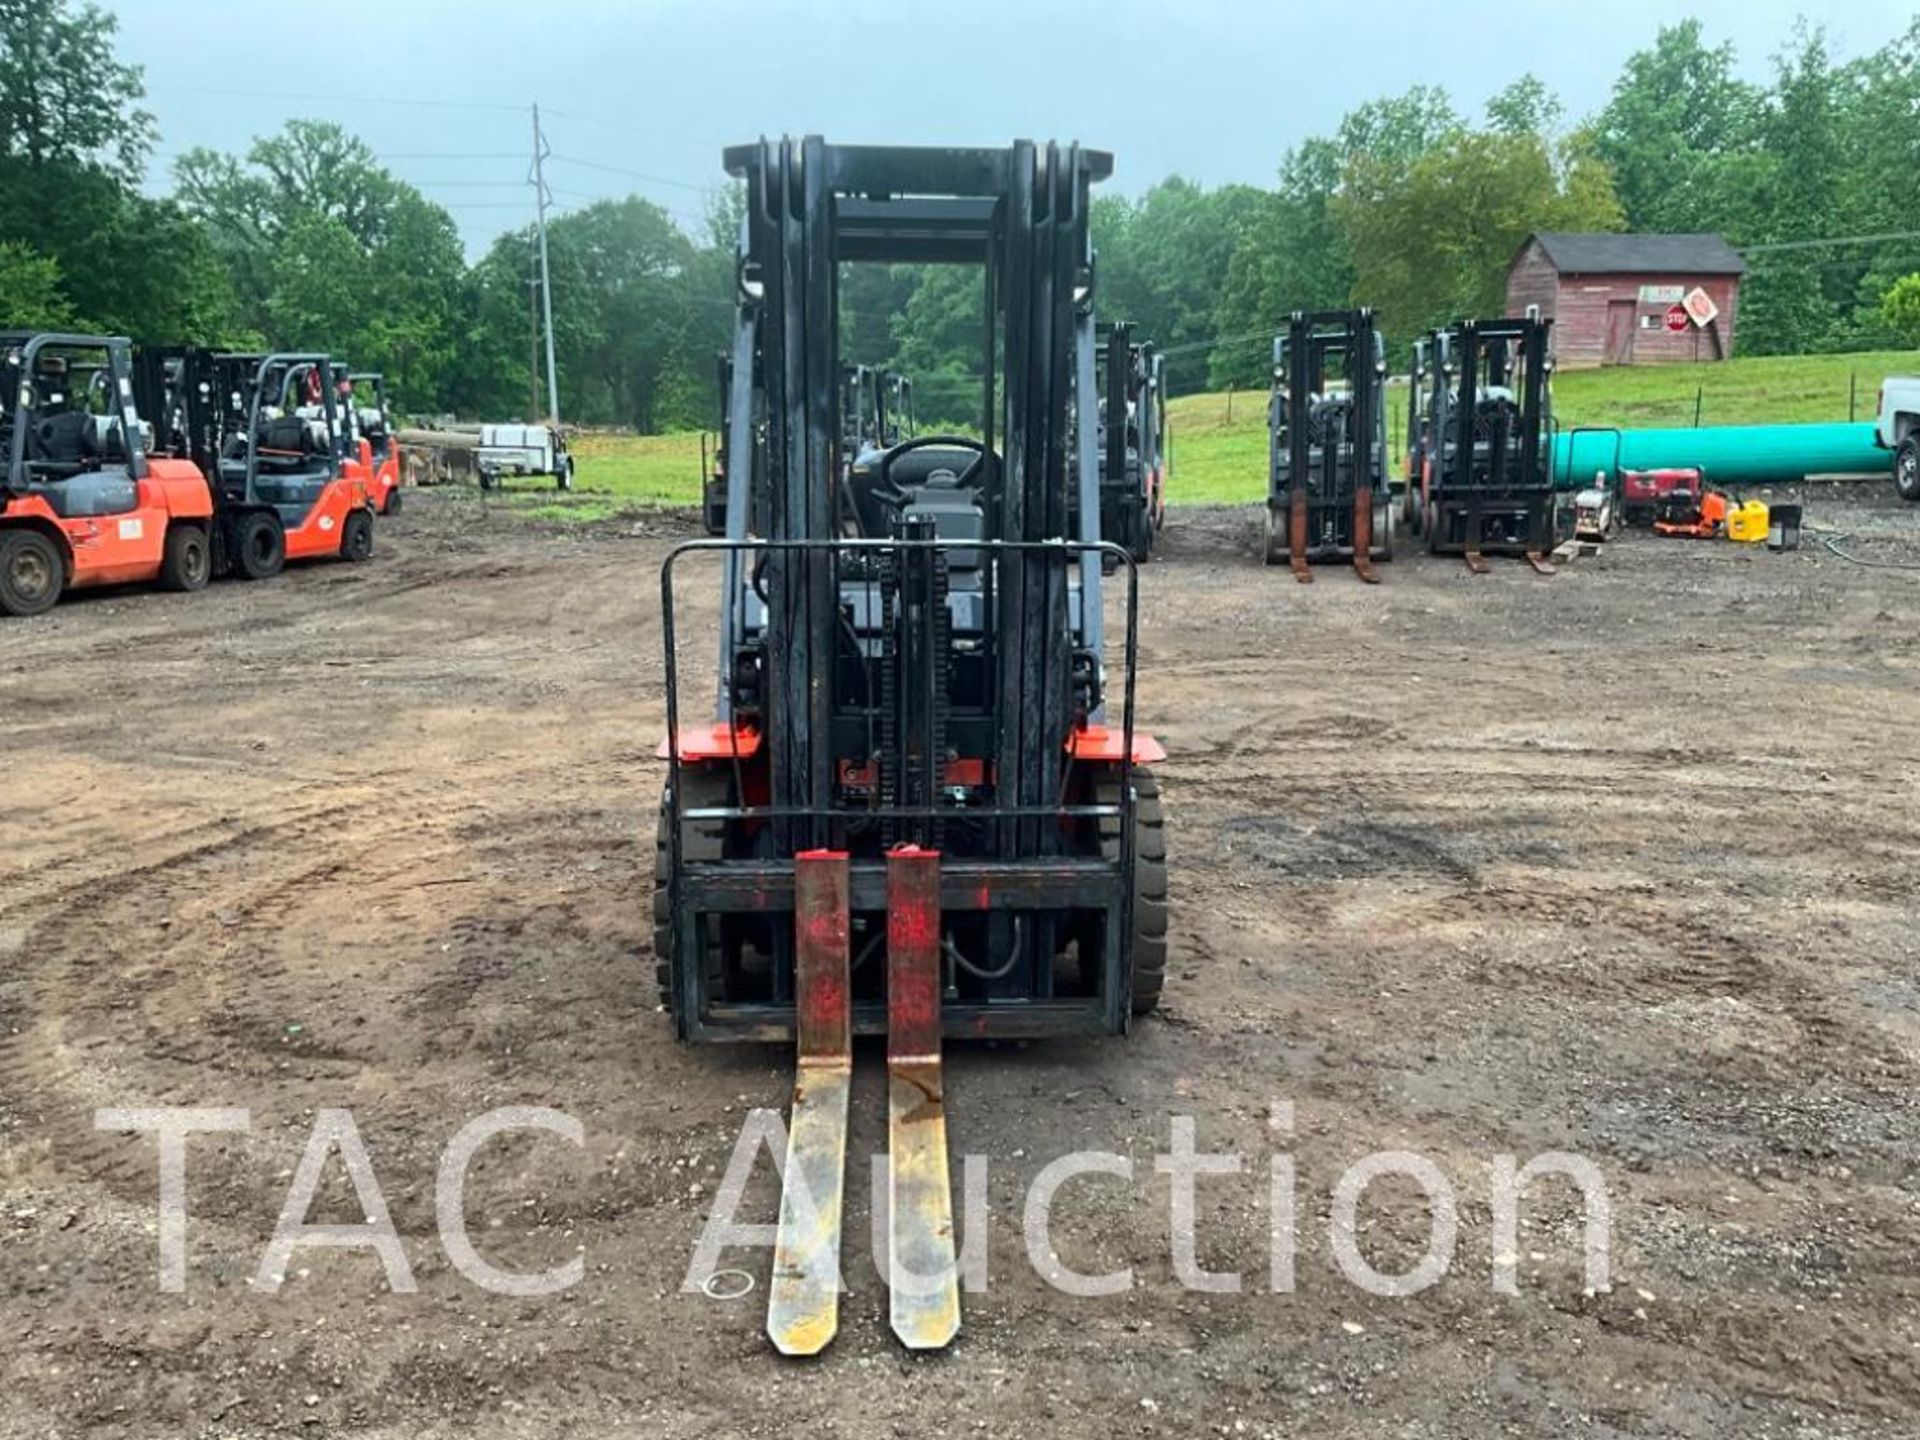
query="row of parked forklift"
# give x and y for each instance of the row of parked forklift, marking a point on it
(1479, 472)
(172, 465)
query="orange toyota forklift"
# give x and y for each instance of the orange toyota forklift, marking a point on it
(82, 503)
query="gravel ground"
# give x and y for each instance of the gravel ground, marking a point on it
(1618, 863)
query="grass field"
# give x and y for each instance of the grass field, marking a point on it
(1220, 441)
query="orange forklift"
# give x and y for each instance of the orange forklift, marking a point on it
(268, 433)
(82, 503)
(365, 400)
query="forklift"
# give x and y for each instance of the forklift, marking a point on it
(1132, 451)
(897, 421)
(373, 426)
(83, 503)
(1329, 497)
(267, 432)
(919, 806)
(1481, 420)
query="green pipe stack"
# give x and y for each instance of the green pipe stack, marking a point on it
(1729, 455)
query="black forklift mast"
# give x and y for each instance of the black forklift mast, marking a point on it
(1328, 492)
(1489, 436)
(1020, 213)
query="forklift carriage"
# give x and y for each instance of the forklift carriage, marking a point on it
(1328, 493)
(1485, 443)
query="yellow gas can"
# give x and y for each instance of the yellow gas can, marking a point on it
(1747, 523)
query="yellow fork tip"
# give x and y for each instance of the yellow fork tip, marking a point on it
(809, 1337)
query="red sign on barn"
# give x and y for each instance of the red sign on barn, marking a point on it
(1677, 318)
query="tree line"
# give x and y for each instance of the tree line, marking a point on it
(305, 240)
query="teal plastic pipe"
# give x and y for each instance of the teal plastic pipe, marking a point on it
(1729, 454)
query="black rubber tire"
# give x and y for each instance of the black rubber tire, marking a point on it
(564, 480)
(1276, 536)
(257, 545)
(704, 787)
(186, 564)
(32, 573)
(1906, 469)
(1149, 881)
(1140, 547)
(1383, 527)
(356, 536)
(393, 502)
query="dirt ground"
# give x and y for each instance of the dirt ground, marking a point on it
(1618, 863)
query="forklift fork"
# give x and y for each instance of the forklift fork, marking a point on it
(803, 1306)
(1297, 535)
(803, 1300)
(924, 1303)
(1363, 535)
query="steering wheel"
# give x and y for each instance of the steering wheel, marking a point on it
(932, 442)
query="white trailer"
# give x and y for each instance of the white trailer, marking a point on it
(506, 450)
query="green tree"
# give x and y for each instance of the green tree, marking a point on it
(1434, 244)
(329, 250)
(1683, 137)
(31, 297)
(64, 96)
(1289, 254)
(1900, 307)
(1526, 107)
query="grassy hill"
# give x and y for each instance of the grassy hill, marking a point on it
(1220, 441)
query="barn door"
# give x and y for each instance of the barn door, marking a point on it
(1620, 321)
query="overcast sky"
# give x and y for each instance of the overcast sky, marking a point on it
(640, 96)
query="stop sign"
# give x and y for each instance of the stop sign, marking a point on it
(1677, 318)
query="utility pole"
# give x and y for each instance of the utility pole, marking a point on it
(533, 341)
(540, 194)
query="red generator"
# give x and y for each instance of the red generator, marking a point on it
(1647, 496)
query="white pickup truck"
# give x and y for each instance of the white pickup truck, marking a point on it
(1898, 430)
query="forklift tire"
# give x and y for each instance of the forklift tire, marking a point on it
(186, 564)
(356, 536)
(1140, 547)
(393, 502)
(704, 787)
(1149, 881)
(32, 572)
(1906, 469)
(564, 481)
(258, 545)
(1382, 547)
(1276, 536)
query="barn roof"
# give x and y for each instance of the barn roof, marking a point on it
(1574, 254)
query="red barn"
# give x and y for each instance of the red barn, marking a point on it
(1620, 299)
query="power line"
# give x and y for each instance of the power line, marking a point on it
(411, 102)
(633, 174)
(1776, 245)
(450, 155)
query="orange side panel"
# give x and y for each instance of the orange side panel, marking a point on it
(116, 549)
(320, 532)
(178, 487)
(713, 742)
(1102, 743)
